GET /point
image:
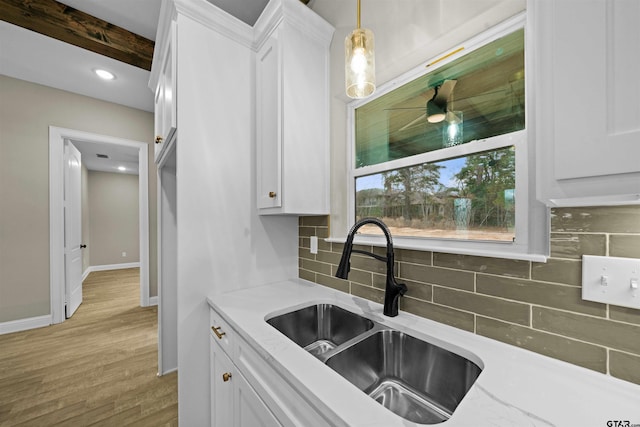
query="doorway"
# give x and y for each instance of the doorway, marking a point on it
(57, 136)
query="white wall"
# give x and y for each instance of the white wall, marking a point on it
(222, 243)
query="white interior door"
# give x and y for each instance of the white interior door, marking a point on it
(72, 228)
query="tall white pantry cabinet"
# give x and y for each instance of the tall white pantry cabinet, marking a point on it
(205, 76)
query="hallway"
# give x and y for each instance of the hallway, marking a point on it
(97, 368)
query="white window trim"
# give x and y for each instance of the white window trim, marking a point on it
(532, 228)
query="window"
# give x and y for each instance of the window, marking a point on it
(470, 197)
(441, 154)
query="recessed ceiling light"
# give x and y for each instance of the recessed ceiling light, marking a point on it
(122, 168)
(104, 74)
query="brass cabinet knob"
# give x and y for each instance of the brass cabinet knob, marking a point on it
(272, 194)
(216, 330)
(158, 139)
(226, 376)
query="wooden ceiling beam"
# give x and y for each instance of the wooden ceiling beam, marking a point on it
(72, 26)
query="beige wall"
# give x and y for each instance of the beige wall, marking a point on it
(26, 112)
(113, 216)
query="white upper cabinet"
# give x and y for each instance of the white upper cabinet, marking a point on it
(587, 97)
(292, 110)
(165, 96)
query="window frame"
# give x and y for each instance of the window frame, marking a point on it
(531, 221)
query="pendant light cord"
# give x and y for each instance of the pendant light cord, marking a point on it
(358, 14)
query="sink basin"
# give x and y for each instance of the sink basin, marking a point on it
(419, 381)
(320, 328)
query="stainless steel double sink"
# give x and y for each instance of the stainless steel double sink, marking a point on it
(415, 379)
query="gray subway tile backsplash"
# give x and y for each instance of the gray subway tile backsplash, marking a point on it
(559, 347)
(587, 328)
(565, 271)
(437, 276)
(484, 305)
(539, 293)
(624, 365)
(596, 219)
(439, 313)
(494, 297)
(573, 245)
(507, 267)
(624, 245)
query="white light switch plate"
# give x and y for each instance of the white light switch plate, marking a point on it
(611, 280)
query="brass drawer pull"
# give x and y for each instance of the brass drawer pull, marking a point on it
(217, 332)
(272, 194)
(226, 376)
(158, 139)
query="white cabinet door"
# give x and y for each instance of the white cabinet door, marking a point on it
(168, 73)
(158, 109)
(249, 409)
(586, 93)
(222, 383)
(234, 403)
(269, 142)
(165, 102)
(305, 121)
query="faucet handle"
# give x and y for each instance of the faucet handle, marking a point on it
(403, 288)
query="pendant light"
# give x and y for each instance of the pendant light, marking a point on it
(360, 67)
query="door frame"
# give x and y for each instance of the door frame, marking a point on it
(57, 135)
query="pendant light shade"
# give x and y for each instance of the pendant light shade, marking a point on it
(359, 67)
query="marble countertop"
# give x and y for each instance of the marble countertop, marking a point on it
(516, 387)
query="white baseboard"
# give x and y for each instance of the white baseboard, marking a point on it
(153, 301)
(112, 267)
(167, 372)
(25, 324)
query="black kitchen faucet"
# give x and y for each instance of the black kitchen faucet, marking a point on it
(393, 290)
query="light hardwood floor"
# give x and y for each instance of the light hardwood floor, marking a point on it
(97, 368)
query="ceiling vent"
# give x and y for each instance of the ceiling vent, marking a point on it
(102, 156)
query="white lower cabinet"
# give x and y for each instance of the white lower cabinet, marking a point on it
(246, 389)
(234, 403)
